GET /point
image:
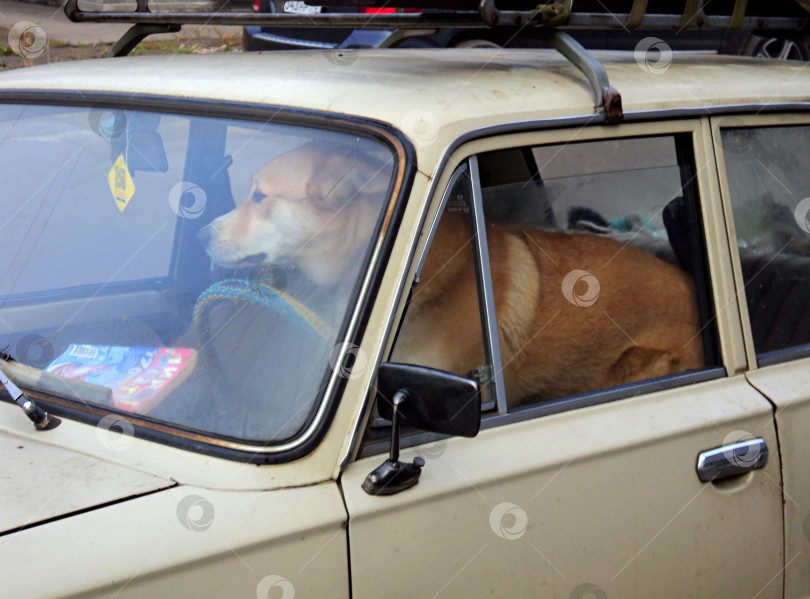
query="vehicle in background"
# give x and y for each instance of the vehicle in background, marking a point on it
(259, 38)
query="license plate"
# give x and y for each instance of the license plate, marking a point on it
(300, 8)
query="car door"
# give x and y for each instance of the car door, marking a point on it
(595, 493)
(765, 181)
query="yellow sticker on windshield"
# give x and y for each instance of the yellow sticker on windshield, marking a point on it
(121, 183)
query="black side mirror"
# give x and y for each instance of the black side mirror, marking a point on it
(429, 399)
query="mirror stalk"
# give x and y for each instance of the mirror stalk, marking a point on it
(393, 476)
(399, 397)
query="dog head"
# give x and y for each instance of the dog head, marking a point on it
(314, 206)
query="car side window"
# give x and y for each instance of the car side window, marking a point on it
(597, 269)
(768, 180)
(595, 252)
(443, 325)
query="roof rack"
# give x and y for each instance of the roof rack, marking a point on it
(439, 14)
(545, 18)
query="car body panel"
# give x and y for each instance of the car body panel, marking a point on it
(185, 542)
(122, 449)
(788, 387)
(569, 474)
(35, 487)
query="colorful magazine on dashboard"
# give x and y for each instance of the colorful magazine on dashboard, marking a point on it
(139, 377)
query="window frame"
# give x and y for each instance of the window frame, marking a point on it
(750, 121)
(360, 303)
(716, 245)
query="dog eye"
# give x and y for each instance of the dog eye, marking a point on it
(257, 196)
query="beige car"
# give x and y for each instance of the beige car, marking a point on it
(265, 360)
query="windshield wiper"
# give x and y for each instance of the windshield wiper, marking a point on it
(35, 414)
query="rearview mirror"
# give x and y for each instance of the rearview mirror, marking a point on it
(146, 153)
(133, 135)
(429, 399)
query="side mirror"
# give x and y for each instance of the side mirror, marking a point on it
(429, 399)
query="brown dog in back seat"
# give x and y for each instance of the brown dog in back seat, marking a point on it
(316, 206)
(636, 316)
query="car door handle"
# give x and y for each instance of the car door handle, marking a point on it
(732, 460)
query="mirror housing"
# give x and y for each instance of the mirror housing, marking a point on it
(438, 401)
(429, 399)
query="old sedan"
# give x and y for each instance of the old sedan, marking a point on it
(405, 323)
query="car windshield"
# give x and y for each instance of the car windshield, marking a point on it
(187, 270)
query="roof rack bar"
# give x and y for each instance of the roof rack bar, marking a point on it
(134, 36)
(484, 15)
(606, 98)
(545, 15)
(738, 14)
(636, 15)
(690, 13)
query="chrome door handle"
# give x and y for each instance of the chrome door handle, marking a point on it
(732, 460)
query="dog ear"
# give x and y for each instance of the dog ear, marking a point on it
(339, 180)
(370, 178)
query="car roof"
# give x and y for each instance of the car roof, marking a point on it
(450, 90)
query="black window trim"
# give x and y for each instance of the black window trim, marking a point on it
(780, 356)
